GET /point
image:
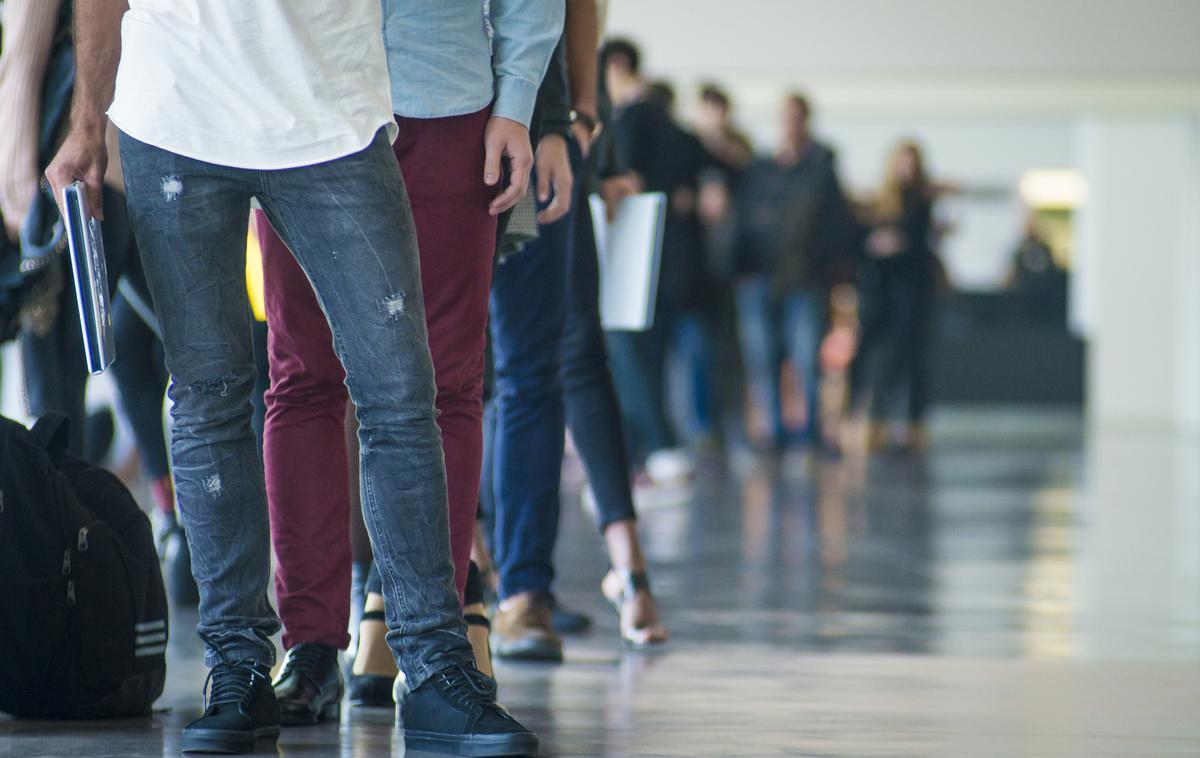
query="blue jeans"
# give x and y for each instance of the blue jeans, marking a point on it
(771, 329)
(692, 372)
(348, 223)
(524, 428)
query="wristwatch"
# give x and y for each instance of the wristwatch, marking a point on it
(589, 122)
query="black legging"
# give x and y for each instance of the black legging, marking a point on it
(590, 399)
(897, 325)
(140, 374)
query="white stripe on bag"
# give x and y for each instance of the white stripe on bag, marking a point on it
(151, 626)
(142, 652)
(143, 639)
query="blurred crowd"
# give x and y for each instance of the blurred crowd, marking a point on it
(788, 314)
(786, 306)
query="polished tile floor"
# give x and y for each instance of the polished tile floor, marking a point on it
(1026, 589)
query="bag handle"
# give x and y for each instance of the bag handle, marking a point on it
(50, 432)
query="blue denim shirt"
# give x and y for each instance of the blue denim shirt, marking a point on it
(442, 62)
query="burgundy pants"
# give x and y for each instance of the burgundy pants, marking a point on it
(303, 443)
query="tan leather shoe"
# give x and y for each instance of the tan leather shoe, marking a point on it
(522, 629)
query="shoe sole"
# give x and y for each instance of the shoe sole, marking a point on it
(476, 745)
(528, 650)
(329, 712)
(225, 742)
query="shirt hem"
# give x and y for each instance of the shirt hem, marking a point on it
(340, 152)
(464, 110)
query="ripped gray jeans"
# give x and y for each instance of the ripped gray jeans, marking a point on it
(349, 224)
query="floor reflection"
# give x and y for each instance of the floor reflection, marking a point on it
(1023, 589)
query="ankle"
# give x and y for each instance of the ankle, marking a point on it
(373, 657)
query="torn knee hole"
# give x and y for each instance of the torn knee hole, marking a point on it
(393, 306)
(215, 386)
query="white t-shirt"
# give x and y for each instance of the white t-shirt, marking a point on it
(257, 84)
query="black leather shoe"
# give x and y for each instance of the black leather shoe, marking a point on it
(240, 711)
(309, 686)
(371, 691)
(455, 711)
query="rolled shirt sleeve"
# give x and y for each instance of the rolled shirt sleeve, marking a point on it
(525, 33)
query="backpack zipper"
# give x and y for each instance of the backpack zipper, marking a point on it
(83, 543)
(67, 562)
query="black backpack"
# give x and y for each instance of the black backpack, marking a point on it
(83, 614)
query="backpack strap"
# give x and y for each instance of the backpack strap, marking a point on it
(50, 432)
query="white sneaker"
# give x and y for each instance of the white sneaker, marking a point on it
(670, 466)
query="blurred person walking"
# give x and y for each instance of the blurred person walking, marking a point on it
(898, 286)
(593, 412)
(666, 159)
(551, 367)
(792, 220)
(715, 128)
(723, 139)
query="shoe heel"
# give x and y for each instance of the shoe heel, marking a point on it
(332, 712)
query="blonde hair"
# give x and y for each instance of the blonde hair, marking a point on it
(889, 204)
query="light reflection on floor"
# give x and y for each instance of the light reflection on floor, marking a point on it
(1015, 592)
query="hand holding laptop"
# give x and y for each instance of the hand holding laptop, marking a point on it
(83, 157)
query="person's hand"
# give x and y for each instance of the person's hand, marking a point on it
(714, 202)
(583, 137)
(553, 173)
(505, 138)
(884, 243)
(22, 186)
(83, 156)
(617, 188)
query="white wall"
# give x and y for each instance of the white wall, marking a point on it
(805, 37)
(992, 89)
(1142, 182)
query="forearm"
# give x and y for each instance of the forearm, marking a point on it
(29, 35)
(553, 111)
(97, 52)
(583, 40)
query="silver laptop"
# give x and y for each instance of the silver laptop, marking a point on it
(91, 279)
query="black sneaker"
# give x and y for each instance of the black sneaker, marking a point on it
(309, 687)
(240, 711)
(455, 711)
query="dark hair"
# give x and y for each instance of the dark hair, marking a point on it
(661, 93)
(799, 101)
(621, 48)
(713, 95)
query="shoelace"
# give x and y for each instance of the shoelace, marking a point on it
(306, 658)
(230, 683)
(469, 686)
